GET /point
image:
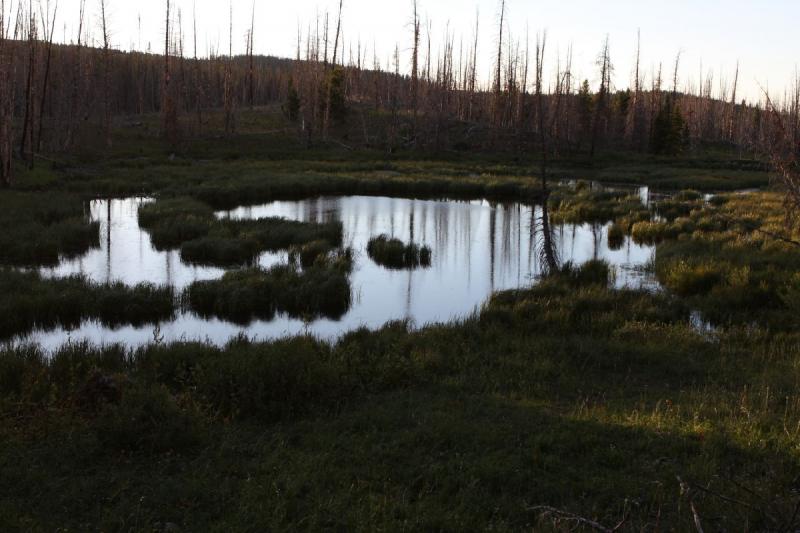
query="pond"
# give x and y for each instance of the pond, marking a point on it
(478, 248)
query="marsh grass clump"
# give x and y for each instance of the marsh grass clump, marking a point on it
(685, 279)
(29, 301)
(395, 254)
(171, 222)
(587, 206)
(323, 290)
(656, 232)
(38, 230)
(204, 239)
(726, 261)
(616, 237)
(310, 253)
(595, 272)
(232, 242)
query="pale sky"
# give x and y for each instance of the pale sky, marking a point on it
(761, 34)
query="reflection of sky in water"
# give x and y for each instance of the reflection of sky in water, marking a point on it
(478, 248)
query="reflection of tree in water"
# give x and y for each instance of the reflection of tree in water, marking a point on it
(547, 251)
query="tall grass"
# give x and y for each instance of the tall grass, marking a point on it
(395, 254)
(39, 229)
(322, 290)
(28, 301)
(203, 239)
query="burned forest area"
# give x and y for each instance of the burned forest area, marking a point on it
(464, 281)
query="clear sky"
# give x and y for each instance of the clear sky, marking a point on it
(761, 34)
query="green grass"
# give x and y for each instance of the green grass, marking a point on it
(589, 206)
(321, 290)
(396, 255)
(616, 237)
(568, 395)
(190, 225)
(602, 403)
(725, 261)
(28, 301)
(40, 229)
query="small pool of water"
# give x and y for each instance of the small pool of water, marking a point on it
(478, 248)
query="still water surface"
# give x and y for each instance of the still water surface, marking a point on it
(478, 248)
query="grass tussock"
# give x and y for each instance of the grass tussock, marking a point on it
(40, 229)
(616, 237)
(588, 206)
(190, 225)
(731, 260)
(321, 290)
(395, 254)
(28, 301)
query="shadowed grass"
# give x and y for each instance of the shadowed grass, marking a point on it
(39, 229)
(203, 239)
(395, 254)
(321, 290)
(28, 301)
(567, 395)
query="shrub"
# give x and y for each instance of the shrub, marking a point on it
(394, 254)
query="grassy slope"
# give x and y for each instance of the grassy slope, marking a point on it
(581, 398)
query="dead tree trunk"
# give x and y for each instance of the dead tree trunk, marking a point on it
(106, 76)
(329, 78)
(26, 149)
(7, 94)
(415, 72)
(45, 84)
(498, 79)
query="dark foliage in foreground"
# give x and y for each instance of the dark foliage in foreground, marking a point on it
(395, 254)
(569, 395)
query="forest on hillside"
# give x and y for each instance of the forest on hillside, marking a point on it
(56, 97)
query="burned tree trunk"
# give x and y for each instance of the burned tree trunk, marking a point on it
(45, 84)
(7, 94)
(26, 149)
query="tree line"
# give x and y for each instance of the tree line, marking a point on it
(60, 97)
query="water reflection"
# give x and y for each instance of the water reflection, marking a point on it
(478, 248)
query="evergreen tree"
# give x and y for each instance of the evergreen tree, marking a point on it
(293, 102)
(670, 133)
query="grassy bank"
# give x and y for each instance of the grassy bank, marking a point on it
(568, 395)
(733, 268)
